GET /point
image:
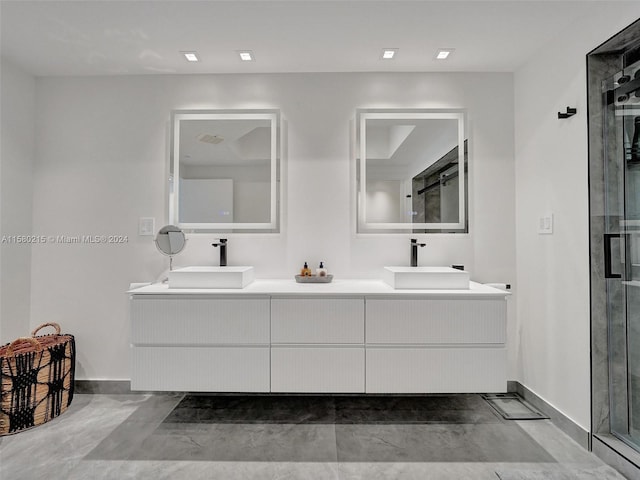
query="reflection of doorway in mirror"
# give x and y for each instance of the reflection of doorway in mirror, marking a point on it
(206, 200)
(251, 201)
(385, 201)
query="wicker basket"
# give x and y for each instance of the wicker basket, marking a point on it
(36, 379)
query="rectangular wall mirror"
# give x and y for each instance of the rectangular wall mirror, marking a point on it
(224, 170)
(411, 171)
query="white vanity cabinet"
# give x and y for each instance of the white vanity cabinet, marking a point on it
(317, 345)
(354, 336)
(426, 345)
(200, 344)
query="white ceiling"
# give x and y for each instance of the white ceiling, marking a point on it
(101, 37)
(245, 142)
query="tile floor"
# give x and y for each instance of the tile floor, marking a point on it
(175, 436)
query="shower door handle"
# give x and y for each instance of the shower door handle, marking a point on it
(608, 271)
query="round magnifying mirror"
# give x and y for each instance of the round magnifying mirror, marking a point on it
(170, 241)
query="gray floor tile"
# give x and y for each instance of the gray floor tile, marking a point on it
(52, 449)
(560, 472)
(417, 471)
(148, 412)
(122, 442)
(238, 442)
(174, 470)
(437, 443)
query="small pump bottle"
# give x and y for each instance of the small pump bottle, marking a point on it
(321, 271)
(306, 271)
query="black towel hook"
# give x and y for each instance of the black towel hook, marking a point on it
(570, 113)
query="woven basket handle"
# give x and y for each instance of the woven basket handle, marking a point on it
(19, 340)
(51, 324)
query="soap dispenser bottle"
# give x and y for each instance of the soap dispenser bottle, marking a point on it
(321, 271)
(306, 271)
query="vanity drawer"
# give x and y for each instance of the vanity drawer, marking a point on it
(199, 321)
(317, 320)
(200, 369)
(317, 369)
(436, 370)
(420, 321)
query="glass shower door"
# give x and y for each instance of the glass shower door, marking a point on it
(621, 97)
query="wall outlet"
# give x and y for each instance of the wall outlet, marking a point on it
(146, 226)
(545, 224)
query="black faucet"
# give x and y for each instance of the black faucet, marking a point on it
(223, 251)
(414, 251)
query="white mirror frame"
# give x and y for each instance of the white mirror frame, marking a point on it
(406, 114)
(174, 189)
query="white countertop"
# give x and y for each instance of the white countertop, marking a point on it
(338, 287)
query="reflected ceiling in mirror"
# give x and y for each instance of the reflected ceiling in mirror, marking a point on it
(407, 171)
(225, 170)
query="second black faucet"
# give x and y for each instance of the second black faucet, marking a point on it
(414, 251)
(223, 251)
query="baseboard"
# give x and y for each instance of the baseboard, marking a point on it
(560, 420)
(108, 387)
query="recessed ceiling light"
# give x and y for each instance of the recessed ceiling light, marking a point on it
(444, 53)
(389, 53)
(191, 56)
(246, 55)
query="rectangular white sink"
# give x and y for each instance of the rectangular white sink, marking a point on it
(443, 278)
(210, 277)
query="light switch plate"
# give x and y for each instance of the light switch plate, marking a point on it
(545, 224)
(146, 226)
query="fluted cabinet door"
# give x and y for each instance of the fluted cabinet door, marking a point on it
(317, 369)
(201, 369)
(426, 321)
(200, 321)
(436, 370)
(317, 320)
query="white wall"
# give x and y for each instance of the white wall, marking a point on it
(17, 152)
(103, 146)
(551, 177)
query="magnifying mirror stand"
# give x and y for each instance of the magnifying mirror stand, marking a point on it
(170, 241)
